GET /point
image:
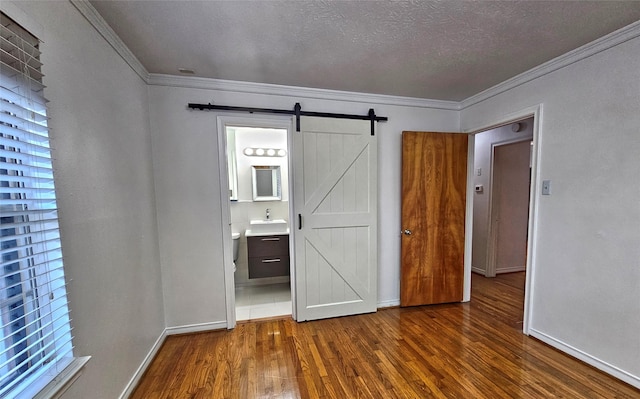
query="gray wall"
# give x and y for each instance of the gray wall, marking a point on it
(102, 163)
(586, 277)
(185, 152)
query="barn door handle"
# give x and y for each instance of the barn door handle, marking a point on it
(406, 232)
(299, 221)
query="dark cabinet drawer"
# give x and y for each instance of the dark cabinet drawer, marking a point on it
(268, 246)
(268, 256)
(269, 266)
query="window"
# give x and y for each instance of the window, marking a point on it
(35, 336)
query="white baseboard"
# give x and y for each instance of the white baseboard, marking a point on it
(388, 304)
(192, 328)
(481, 272)
(128, 390)
(587, 358)
(512, 269)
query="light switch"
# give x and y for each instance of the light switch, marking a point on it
(546, 187)
(479, 172)
(479, 188)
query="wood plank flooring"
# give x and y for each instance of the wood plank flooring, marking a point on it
(472, 350)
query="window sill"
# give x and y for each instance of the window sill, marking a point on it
(63, 380)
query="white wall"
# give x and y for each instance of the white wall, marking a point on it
(482, 160)
(187, 185)
(102, 163)
(586, 282)
(265, 138)
(187, 180)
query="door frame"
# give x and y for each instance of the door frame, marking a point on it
(492, 236)
(536, 112)
(222, 121)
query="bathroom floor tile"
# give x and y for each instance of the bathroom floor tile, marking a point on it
(270, 310)
(282, 307)
(282, 296)
(243, 297)
(256, 302)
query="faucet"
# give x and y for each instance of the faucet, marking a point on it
(268, 214)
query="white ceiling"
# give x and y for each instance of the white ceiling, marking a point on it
(445, 50)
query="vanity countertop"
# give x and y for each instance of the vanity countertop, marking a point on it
(249, 233)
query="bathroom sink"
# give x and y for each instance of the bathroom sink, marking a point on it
(267, 227)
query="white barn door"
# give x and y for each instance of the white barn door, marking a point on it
(335, 199)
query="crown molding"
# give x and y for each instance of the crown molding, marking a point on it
(604, 43)
(298, 92)
(96, 20)
(613, 39)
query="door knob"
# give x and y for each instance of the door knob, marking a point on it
(407, 232)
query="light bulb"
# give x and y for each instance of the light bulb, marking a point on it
(259, 152)
(271, 152)
(248, 151)
(282, 153)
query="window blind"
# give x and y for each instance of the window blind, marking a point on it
(35, 334)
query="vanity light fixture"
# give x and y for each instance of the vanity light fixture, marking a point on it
(264, 152)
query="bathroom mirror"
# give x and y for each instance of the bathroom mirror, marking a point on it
(266, 183)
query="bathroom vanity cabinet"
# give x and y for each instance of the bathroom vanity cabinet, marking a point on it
(268, 255)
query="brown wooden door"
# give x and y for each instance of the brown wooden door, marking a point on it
(434, 182)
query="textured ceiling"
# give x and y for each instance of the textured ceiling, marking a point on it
(446, 50)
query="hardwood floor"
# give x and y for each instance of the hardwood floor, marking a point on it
(472, 350)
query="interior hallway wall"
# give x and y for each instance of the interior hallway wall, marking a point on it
(482, 160)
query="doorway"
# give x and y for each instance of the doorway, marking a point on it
(256, 173)
(501, 205)
(509, 208)
(335, 208)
